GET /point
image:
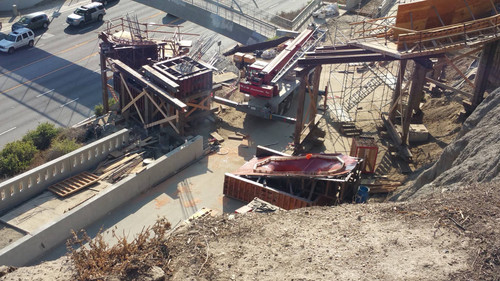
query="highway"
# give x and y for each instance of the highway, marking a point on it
(58, 81)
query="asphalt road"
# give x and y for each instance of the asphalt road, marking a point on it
(58, 81)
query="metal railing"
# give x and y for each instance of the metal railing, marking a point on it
(439, 38)
(253, 19)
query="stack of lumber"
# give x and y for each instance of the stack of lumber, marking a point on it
(114, 170)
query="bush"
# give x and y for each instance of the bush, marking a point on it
(16, 157)
(60, 147)
(42, 136)
(99, 109)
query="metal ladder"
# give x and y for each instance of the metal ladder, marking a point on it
(365, 90)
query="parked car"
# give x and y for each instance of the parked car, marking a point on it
(32, 21)
(87, 13)
(104, 2)
(16, 39)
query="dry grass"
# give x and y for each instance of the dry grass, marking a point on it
(94, 259)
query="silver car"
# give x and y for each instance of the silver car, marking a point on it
(87, 13)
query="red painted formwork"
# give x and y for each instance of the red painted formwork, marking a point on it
(191, 76)
(246, 190)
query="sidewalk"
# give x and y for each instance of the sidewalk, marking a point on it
(53, 8)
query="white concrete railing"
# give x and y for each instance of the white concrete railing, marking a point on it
(20, 188)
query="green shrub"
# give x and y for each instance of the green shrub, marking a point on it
(42, 136)
(60, 147)
(16, 157)
(99, 109)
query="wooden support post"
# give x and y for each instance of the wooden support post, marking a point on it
(416, 94)
(483, 72)
(104, 82)
(300, 110)
(314, 97)
(397, 92)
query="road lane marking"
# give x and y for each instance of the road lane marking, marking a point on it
(48, 92)
(63, 105)
(49, 56)
(155, 15)
(48, 73)
(66, 50)
(13, 128)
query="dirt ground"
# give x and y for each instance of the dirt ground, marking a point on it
(452, 237)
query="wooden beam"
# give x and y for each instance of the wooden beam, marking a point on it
(300, 110)
(104, 82)
(459, 56)
(444, 86)
(123, 68)
(458, 71)
(156, 105)
(483, 72)
(396, 95)
(131, 97)
(416, 92)
(165, 120)
(133, 100)
(152, 73)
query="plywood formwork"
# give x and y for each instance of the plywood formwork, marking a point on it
(437, 13)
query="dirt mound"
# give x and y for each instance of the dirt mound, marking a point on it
(473, 157)
(452, 238)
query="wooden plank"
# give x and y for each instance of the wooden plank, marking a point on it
(444, 86)
(217, 137)
(73, 184)
(421, 15)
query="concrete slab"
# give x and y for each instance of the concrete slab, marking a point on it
(47, 207)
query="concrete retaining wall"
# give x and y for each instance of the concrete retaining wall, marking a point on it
(6, 5)
(32, 247)
(33, 182)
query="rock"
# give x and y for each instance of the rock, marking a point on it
(156, 273)
(4, 270)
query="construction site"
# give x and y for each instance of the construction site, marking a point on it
(347, 146)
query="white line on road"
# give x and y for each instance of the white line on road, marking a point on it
(8, 130)
(62, 105)
(48, 92)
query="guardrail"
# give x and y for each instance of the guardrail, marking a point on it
(20, 188)
(305, 14)
(253, 19)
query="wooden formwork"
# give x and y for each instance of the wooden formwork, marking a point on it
(246, 190)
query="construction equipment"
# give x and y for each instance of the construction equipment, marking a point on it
(269, 94)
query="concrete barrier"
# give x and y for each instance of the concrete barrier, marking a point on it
(6, 5)
(20, 188)
(34, 246)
